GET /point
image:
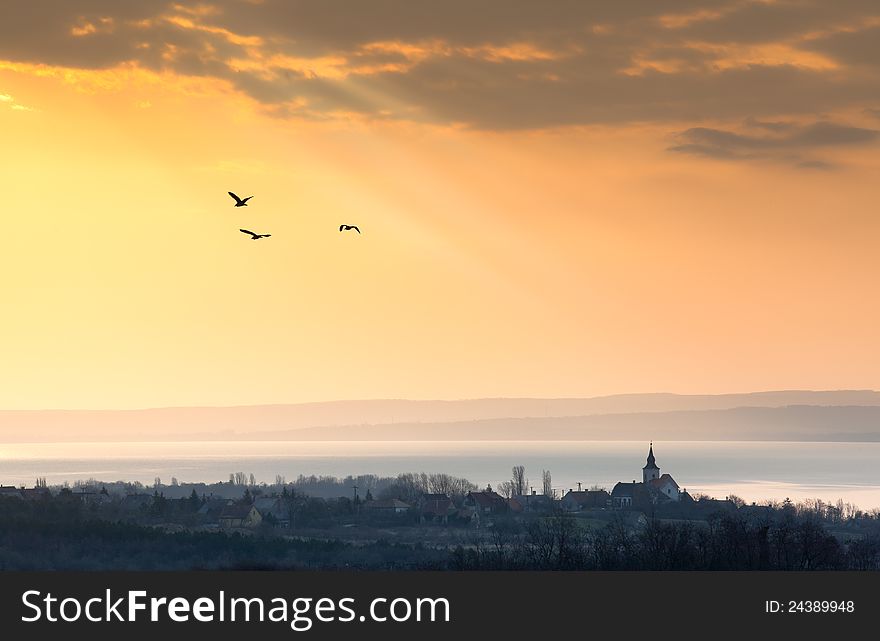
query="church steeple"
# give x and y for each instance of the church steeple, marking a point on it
(650, 471)
(652, 464)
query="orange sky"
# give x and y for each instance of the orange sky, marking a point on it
(552, 205)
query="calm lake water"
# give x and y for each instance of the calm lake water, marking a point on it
(752, 470)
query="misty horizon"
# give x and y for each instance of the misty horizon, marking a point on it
(848, 415)
(463, 399)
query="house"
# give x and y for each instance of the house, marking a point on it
(533, 502)
(90, 495)
(435, 508)
(240, 515)
(630, 495)
(35, 493)
(666, 486)
(212, 507)
(757, 513)
(466, 515)
(710, 505)
(387, 506)
(136, 502)
(575, 501)
(274, 510)
(10, 491)
(487, 501)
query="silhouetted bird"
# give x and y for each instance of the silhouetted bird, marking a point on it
(253, 235)
(239, 202)
(346, 227)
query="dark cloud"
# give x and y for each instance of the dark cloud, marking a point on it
(756, 21)
(824, 134)
(751, 121)
(40, 31)
(820, 165)
(788, 143)
(860, 47)
(493, 96)
(327, 25)
(579, 63)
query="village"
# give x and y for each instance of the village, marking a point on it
(409, 500)
(423, 521)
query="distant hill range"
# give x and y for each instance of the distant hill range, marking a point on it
(845, 415)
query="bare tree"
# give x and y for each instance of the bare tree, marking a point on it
(505, 489)
(367, 482)
(548, 483)
(439, 484)
(459, 487)
(452, 486)
(519, 480)
(410, 487)
(737, 501)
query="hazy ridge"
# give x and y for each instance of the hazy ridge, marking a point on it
(843, 415)
(790, 423)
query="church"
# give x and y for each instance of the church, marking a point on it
(655, 487)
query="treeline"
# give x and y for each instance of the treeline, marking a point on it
(319, 486)
(725, 541)
(411, 487)
(407, 487)
(63, 534)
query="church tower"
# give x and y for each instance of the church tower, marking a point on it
(650, 471)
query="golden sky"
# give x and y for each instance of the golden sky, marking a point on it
(579, 201)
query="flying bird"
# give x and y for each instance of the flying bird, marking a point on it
(239, 202)
(253, 235)
(347, 227)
